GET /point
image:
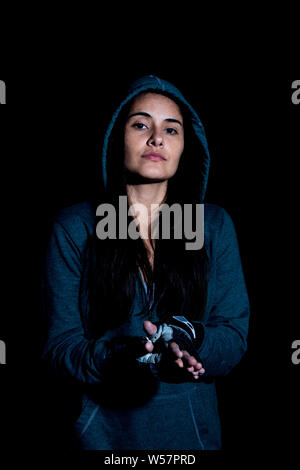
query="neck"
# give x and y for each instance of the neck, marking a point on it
(148, 195)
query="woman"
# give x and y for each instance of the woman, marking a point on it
(142, 327)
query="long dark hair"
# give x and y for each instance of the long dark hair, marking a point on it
(179, 276)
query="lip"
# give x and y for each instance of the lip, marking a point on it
(156, 157)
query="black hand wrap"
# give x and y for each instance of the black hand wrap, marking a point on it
(124, 348)
(188, 335)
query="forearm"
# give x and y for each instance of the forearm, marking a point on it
(73, 355)
(222, 349)
(93, 361)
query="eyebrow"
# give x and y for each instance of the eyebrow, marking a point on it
(142, 113)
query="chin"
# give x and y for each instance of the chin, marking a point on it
(154, 175)
(148, 174)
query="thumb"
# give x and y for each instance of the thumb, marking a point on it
(150, 328)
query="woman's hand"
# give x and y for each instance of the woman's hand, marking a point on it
(123, 348)
(178, 358)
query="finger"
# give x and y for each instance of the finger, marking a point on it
(140, 346)
(150, 328)
(198, 366)
(149, 346)
(179, 363)
(199, 372)
(190, 360)
(174, 348)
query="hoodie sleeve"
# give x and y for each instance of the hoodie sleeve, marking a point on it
(67, 349)
(226, 329)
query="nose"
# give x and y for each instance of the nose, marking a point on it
(156, 139)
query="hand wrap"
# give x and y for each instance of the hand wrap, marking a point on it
(188, 335)
(124, 348)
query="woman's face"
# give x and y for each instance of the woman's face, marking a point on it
(154, 137)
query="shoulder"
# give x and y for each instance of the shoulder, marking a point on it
(217, 222)
(215, 216)
(75, 222)
(72, 216)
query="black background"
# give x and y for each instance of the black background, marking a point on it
(51, 136)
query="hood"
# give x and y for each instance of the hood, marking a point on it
(148, 83)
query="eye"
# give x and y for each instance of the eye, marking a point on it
(139, 125)
(171, 130)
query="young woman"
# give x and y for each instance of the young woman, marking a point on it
(141, 326)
